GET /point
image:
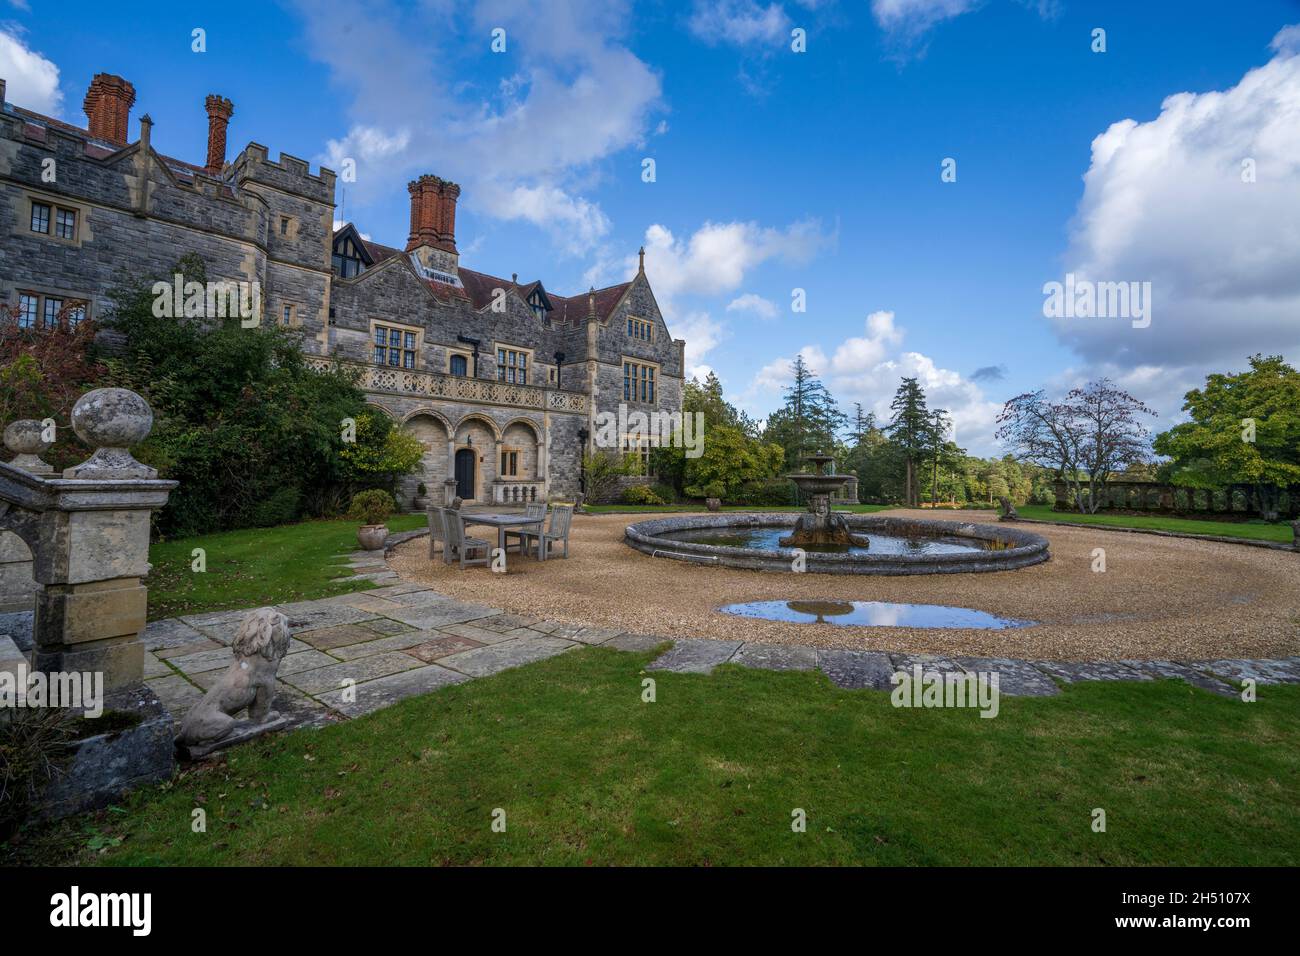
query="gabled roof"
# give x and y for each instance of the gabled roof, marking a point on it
(35, 124)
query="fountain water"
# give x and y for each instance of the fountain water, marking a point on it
(820, 526)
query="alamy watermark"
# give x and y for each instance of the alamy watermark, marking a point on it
(226, 299)
(637, 429)
(923, 688)
(75, 690)
(1085, 299)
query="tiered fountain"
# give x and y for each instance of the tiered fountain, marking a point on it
(821, 527)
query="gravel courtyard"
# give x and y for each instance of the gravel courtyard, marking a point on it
(1159, 597)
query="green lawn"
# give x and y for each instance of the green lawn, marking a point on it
(1257, 530)
(672, 509)
(587, 774)
(256, 566)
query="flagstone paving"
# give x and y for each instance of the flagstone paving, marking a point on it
(359, 652)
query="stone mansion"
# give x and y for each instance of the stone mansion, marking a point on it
(501, 380)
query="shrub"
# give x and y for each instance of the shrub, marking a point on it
(771, 493)
(667, 492)
(280, 507)
(641, 495)
(31, 743)
(601, 472)
(371, 507)
(712, 489)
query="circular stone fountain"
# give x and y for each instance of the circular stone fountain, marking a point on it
(898, 545)
(820, 527)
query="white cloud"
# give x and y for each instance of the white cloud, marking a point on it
(702, 333)
(524, 149)
(739, 22)
(865, 369)
(750, 302)
(857, 355)
(914, 17)
(718, 255)
(31, 81)
(1164, 202)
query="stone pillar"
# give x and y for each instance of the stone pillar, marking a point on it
(1062, 493)
(17, 586)
(89, 537)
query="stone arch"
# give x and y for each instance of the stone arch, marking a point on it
(482, 418)
(429, 411)
(528, 423)
(434, 432)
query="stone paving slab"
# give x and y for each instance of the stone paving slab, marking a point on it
(1071, 671)
(386, 626)
(398, 642)
(856, 670)
(376, 694)
(341, 635)
(1165, 670)
(483, 661)
(203, 661)
(431, 616)
(928, 662)
(390, 590)
(481, 635)
(201, 643)
(176, 693)
(635, 642)
(417, 598)
(363, 602)
(509, 622)
(1015, 678)
(322, 679)
(594, 635)
(776, 657)
(153, 667)
(304, 661)
(1261, 672)
(220, 626)
(695, 656)
(311, 615)
(173, 632)
(441, 647)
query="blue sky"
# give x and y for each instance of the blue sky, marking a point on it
(778, 170)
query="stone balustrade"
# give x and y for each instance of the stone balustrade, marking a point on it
(518, 491)
(458, 388)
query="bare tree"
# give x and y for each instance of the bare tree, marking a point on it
(1093, 433)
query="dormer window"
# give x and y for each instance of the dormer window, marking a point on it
(347, 260)
(537, 305)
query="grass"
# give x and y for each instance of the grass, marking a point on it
(1255, 530)
(588, 774)
(256, 566)
(674, 508)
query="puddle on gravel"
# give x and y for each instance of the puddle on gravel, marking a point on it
(873, 614)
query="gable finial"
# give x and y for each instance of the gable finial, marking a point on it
(641, 268)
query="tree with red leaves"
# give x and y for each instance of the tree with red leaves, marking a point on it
(43, 371)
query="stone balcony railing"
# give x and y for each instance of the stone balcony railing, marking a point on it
(458, 388)
(520, 491)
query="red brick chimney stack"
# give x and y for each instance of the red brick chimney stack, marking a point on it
(108, 103)
(219, 113)
(433, 214)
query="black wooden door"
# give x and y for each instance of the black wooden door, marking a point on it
(465, 474)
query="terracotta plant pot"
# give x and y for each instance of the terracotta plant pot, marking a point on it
(713, 504)
(371, 536)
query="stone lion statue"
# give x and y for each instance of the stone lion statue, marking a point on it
(260, 644)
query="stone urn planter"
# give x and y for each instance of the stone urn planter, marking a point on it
(372, 509)
(713, 504)
(420, 502)
(371, 537)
